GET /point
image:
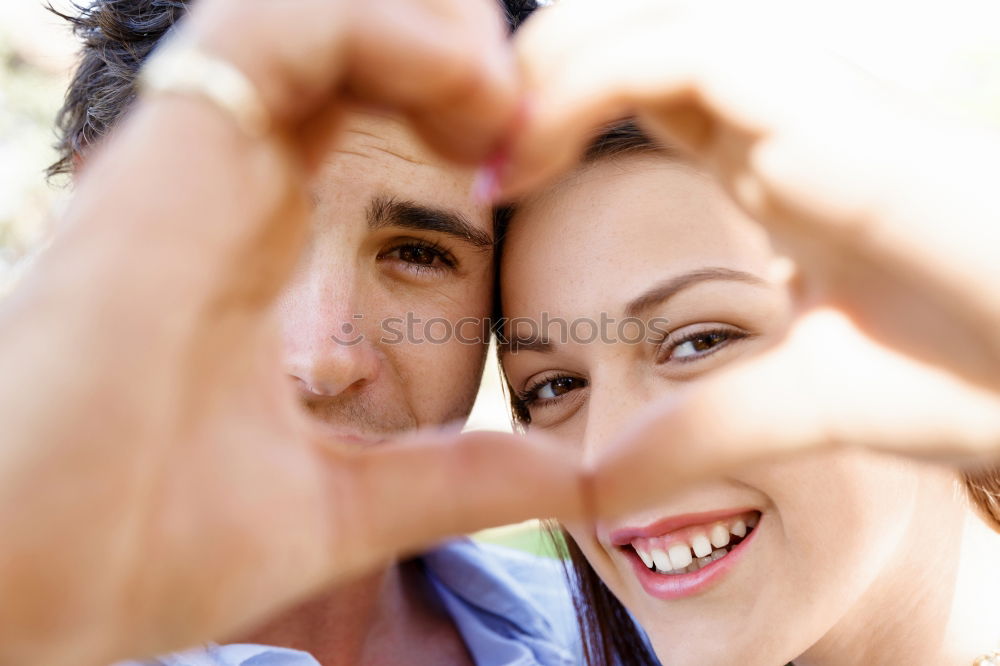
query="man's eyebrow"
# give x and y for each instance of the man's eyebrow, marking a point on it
(387, 211)
(664, 291)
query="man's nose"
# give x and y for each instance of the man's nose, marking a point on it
(329, 370)
(327, 347)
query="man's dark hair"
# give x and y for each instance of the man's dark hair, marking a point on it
(117, 36)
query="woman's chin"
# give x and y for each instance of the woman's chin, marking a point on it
(720, 648)
(702, 614)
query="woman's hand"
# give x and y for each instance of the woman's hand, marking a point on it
(160, 486)
(828, 385)
(889, 211)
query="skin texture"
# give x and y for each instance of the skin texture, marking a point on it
(858, 558)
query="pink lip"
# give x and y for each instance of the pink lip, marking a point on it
(623, 536)
(679, 586)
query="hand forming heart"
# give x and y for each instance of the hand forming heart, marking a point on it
(203, 477)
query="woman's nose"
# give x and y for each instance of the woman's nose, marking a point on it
(612, 407)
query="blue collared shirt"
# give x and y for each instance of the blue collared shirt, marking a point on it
(511, 608)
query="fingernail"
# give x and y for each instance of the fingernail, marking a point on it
(447, 431)
(455, 426)
(493, 178)
(486, 185)
(488, 182)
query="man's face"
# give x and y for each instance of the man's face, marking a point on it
(398, 258)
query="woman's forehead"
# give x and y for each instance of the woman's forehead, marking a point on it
(616, 224)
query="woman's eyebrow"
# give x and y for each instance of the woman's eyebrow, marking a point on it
(667, 289)
(531, 342)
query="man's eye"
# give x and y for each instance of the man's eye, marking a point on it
(420, 255)
(414, 254)
(699, 344)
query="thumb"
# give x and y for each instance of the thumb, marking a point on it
(401, 497)
(826, 386)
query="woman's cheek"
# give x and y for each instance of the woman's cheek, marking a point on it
(598, 558)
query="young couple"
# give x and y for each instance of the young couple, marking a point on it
(866, 328)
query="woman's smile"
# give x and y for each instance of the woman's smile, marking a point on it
(682, 556)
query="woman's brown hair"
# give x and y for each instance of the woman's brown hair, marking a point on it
(609, 635)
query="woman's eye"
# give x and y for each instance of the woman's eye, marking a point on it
(699, 344)
(552, 389)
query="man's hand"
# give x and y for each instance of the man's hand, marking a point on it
(160, 484)
(444, 64)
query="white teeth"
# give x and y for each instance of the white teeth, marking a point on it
(719, 536)
(701, 545)
(660, 559)
(707, 548)
(645, 557)
(680, 556)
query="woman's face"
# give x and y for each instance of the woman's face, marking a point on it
(772, 561)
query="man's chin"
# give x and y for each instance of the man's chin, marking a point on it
(353, 435)
(359, 439)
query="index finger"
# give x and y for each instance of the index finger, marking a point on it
(826, 387)
(446, 64)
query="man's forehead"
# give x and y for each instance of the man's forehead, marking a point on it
(386, 139)
(378, 157)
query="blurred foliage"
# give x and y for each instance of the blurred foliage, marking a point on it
(529, 537)
(32, 82)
